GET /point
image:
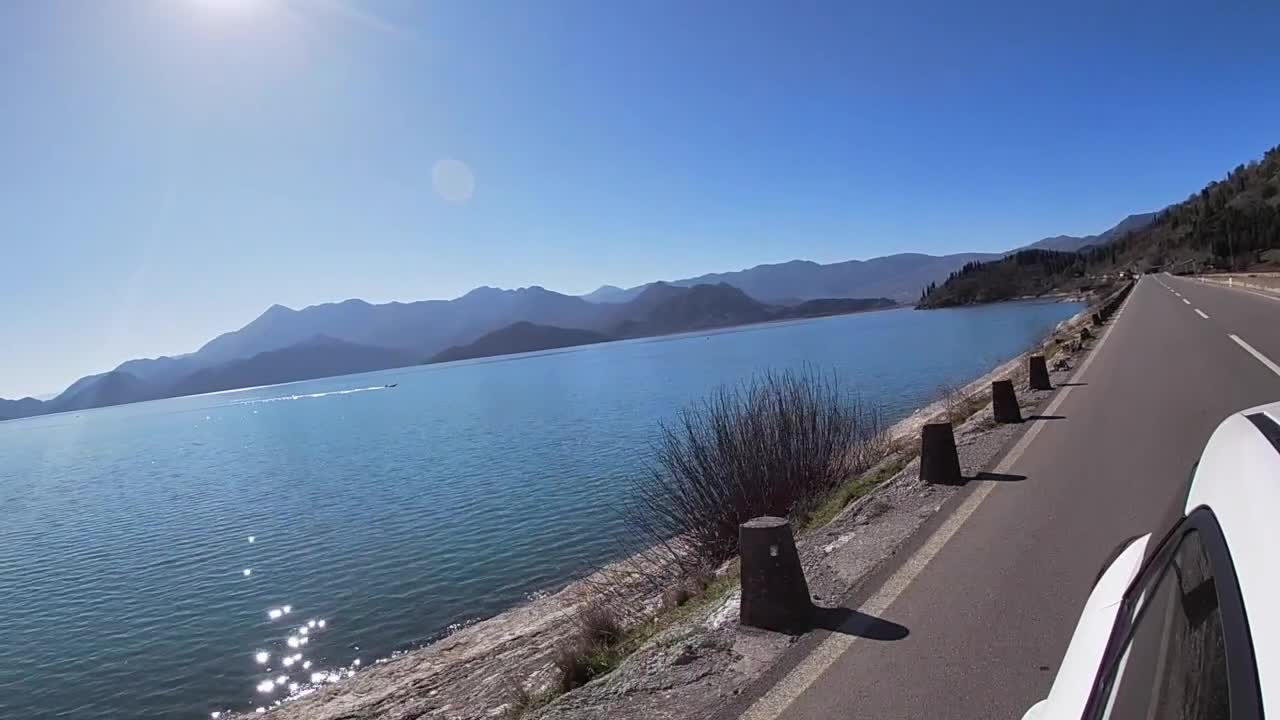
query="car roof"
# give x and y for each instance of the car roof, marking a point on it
(1238, 478)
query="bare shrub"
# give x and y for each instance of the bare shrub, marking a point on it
(599, 624)
(592, 650)
(522, 700)
(769, 446)
(951, 398)
(572, 661)
(957, 405)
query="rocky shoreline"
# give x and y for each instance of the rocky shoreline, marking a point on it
(698, 663)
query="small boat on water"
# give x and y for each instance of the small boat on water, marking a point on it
(391, 385)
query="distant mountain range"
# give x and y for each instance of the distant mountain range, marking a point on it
(319, 356)
(898, 277)
(283, 344)
(521, 337)
(1072, 243)
(661, 309)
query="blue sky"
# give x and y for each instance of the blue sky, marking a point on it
(170, 168)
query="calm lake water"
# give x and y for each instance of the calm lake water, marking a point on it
(175, 558)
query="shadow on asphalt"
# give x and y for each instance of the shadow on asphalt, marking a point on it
(1045, 417)
(999, 477)
(852, 622)
(1072, 384)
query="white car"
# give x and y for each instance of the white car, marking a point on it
(1188, 625)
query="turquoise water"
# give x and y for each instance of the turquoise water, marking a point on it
(143, 548)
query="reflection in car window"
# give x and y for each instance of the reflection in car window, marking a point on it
(1175, 665)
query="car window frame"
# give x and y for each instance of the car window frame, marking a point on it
(1243, 688)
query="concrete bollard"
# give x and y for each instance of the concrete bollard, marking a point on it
(1038, 373)
(775, 595)
(1004, 402)
(939, 462)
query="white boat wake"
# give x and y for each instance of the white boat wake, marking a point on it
(256, 401)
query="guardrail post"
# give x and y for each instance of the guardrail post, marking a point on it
(939, 461)
(1004, 402)
(1038, 373)
(775, 595)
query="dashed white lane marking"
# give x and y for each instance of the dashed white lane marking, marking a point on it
(1201, 313)
(802, 676)
(1186, 301)
(1260, 357)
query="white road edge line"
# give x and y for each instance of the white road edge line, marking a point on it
(1274, 298)
(774, 702)
(1261, 358)
(1201, 313)
(1217, 284)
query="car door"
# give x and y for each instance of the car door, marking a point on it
(1180, 648)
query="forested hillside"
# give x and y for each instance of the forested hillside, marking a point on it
(1026, 273)
(1231, 224)
(1228, 224)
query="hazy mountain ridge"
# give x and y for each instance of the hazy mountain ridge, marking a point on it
(661, 309)
(488, 321)
(1070, 243)
(671, 309)
(898, 277)
(612, 294)
(316, 357)
(101, 390)
(23, 407)
(424, 327)
(519, 338)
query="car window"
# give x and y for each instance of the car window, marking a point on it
(1175, 664)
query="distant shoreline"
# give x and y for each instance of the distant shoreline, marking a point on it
(1056, 296)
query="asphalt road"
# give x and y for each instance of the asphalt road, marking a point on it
(990, 607)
